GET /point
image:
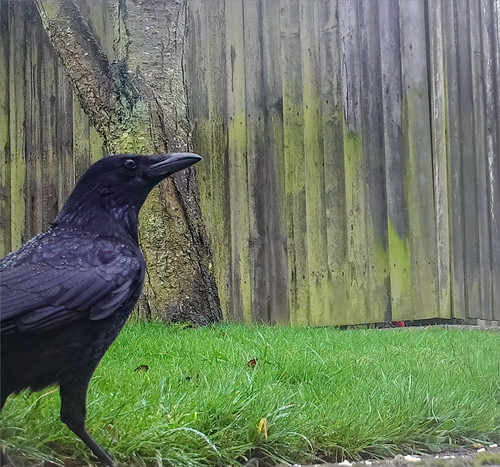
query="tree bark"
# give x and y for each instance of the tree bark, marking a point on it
(144, 111)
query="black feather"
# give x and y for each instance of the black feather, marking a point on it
(66, 294)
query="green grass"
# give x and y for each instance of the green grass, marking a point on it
(324, 393)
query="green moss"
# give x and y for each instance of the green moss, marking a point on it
(51, 9)
(210, 142)
(353, 147)
(419, 196)
(401, 275)
(134, 135)
(224, 202)
(357, 271)
(379, 280)
(240, 214)
(237, 131)
(314, 178)
(296, 223)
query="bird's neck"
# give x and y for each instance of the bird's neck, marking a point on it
(113, 219)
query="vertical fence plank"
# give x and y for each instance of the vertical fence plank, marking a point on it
(238, 167)
(418, 180)
(258, 159)
(439, 154)
(32, 143)
(481, 182)
(313, 168)
(400, 270)
(293, 124)
(36, 139)
(272, 114)
(81, 139)
(376, 239)
(5, 150)
(48, 117)
(207, 103)
(332, 128)
(64, 136)
(493, 109)
(354, 163)
(468, 184)
(210, 137)
(457, 272)
(17, 68)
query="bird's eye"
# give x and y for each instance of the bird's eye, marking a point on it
(130, 164)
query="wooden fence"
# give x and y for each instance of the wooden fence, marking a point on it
(46, 140)
(353, 170)
(352, 152)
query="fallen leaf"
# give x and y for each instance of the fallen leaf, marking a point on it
(262, 427)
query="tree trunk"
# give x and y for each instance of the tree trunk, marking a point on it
(138, 105)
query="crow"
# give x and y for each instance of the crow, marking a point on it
(66, 294)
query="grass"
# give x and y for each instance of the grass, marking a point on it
(171, 395)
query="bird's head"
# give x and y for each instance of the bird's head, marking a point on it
(114, 188)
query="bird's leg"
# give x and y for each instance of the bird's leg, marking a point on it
(73, 411)
(5, 459)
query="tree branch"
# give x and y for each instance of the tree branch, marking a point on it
(86, 64)
(105, 90)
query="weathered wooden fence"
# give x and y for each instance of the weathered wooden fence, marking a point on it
(352, 151)
(46, 140)
(353, 171)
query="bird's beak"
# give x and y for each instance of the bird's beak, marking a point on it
(169, 164)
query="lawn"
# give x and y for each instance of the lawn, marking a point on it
(174, 395)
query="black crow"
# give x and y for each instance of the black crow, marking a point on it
(66, 294)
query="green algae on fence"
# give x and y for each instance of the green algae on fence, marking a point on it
(16, 150)
(401, 273)
(319, 283)
(240, 217)
(341, 183)
(295, 188)
(211, 141)
(356, 210)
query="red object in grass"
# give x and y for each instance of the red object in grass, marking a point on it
(399, 324)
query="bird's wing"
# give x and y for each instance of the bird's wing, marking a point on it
(37, 294)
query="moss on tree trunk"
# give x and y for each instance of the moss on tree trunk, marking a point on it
(145, 112)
